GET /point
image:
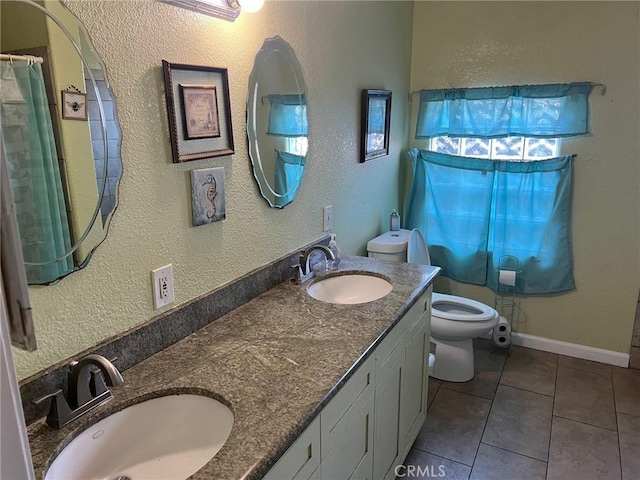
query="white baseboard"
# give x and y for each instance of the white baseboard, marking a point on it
(569, 349)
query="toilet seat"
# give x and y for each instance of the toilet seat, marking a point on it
(462, 309)
(417, 251)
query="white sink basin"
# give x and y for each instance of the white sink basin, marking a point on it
(349, 289)
(169, 437)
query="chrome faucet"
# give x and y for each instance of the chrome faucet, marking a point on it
(304, 268)
(87, 389)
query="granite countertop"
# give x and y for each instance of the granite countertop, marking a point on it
(276, 361)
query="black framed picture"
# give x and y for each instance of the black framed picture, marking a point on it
(198, 110)
(375, 122)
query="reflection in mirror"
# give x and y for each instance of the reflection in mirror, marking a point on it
(277, 122)
(376, 117)
(60, 134)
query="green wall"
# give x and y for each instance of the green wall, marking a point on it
(467, 44)
(342, 47)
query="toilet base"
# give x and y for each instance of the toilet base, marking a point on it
(454, 360)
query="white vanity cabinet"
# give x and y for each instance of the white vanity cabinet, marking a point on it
(401, 388)
(302, 460)
(368, 427)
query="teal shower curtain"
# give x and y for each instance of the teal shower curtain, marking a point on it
(34, 173)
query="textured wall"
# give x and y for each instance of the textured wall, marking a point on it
(342, 47)
(468, 44)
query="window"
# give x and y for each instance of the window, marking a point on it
(508, 148)
(296, 145)
(492, 183)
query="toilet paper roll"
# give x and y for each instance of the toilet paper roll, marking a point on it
(503, 327)
(500, 339)
(507, 277)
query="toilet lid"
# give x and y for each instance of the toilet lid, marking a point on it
(460, 309)
(417, 251)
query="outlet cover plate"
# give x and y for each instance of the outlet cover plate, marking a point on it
(162, 286)
(327, 218)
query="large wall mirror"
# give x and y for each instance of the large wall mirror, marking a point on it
(60, 136)
(277, 122)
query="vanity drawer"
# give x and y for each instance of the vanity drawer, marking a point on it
(302, 459)
(359, 385)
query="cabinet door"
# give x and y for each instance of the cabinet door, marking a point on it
(386, 439)
(352, 452)
(413, 395)
(302, 458)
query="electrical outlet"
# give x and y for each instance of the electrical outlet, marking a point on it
(327, 218)
(162, 286)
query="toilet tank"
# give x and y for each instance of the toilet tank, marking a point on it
(391, 246)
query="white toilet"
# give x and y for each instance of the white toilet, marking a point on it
(455, 321)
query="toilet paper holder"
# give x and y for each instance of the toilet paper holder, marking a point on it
(505, 299)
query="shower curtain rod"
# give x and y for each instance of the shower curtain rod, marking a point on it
(8, 56)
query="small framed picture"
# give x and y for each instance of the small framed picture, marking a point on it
(375, 123)
(74, 105)
(207, 196)
(198, 111)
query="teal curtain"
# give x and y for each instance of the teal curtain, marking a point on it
(287, 116)
(473, 211)
(289, 168)
(32, 162)
(450, 203)
(531, 220)
(548, 111)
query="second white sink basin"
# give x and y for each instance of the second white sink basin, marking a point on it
(169, 437)
(349, 289)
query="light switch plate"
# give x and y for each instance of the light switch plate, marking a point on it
(162, 286)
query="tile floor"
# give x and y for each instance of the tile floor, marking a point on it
(531, 415)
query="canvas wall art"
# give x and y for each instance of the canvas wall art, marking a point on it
(207, 195)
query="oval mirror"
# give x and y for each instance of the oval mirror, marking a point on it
(277, 122)
(60, 137)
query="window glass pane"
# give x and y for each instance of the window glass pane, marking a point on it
(509, 148)
(536, 148)
(476, 147)
(448, 145)
(296, 145)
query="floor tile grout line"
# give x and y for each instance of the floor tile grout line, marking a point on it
(485, 423)
(588, 424)
(469, 393)
(484, 427)
(525, 390)
(442, 457)
(615, 411)
(553, 409)
(511, 451)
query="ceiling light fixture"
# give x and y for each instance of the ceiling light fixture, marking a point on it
(224, 9)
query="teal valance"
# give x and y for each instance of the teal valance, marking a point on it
(545, 111)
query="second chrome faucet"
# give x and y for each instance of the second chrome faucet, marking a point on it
(305, 272)
(87, 389)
